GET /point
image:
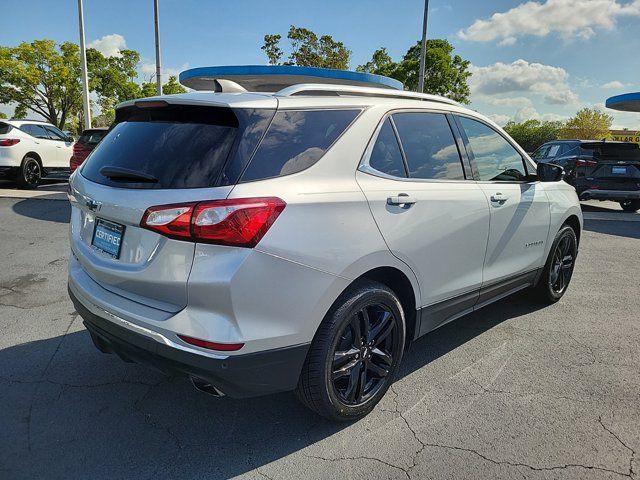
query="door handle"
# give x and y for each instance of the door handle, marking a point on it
(402, 199)
(499, 197)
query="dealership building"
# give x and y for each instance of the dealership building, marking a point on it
(627, 102)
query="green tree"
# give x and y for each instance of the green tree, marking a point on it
(172, 86)
(44, 78)
(148, 89)
(41, 78)
(113, 78)
(533, 133)
(588, 124)
(446, 73)
(307, 50)
(3, 115)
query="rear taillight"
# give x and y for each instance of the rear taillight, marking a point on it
(239, 222)
(581, 162)
(8, 142)
(224, 347)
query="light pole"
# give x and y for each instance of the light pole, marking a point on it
(83, 65)
(423, 47)
(157, 25)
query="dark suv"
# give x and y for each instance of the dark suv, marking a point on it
(599, 170)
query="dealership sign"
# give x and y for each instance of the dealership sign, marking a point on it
(625, 136)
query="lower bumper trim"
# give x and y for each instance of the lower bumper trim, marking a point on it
(237, 376)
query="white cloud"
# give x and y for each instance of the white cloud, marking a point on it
(567, 18)
(109, 45)
(521, 77)
(500, 118)
(530, 113)
(614, 85)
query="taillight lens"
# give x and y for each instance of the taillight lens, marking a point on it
(581, 162)
(8, 142)
(170, 220)
(239, 222)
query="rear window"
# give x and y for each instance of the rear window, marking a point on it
(5, 128)
(296, 140)
(92, 138)
(612, 151)
(180, 146)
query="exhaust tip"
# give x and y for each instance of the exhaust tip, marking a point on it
(206, 387)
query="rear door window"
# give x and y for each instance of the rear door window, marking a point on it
(37, 131)
(429, 146)
(295, 140)
(181, 146)
(386, 156)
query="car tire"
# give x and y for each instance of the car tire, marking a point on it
(30, 173)
(558, 269)
(630, 205)
(343, 378)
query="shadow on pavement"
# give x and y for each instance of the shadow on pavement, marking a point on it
(73, 412)
(630, 229)
(41, 208)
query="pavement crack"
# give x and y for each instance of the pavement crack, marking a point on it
(414, 460)
(525, 465)
(344, 459)
(74, 316)
(617, 437)
(262, 474)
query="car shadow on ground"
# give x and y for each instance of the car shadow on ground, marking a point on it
(43, 208)
(130, 420)
(630, 229)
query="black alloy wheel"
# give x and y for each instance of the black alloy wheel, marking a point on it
(558, 269)
(562, 265)
(30, 173)
(355, 353)
(363, 354)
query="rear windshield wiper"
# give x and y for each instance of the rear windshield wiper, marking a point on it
(126, 174)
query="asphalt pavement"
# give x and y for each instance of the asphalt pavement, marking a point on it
(515, 390)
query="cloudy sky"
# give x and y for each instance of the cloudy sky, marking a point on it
(540, 59)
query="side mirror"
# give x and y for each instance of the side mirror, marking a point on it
(548, 172)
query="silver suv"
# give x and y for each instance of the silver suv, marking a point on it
(301, 239)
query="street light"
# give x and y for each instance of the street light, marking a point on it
(423, 47)
(157, 25)
(83, 66)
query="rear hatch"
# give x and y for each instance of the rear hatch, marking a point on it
(155, 154)
(611, 166)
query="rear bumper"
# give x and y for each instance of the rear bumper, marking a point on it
(238, 376)
(616, 195)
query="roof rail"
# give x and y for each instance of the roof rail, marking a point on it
(350, 90)
(13, 119)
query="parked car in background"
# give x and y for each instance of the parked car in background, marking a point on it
(599, 170)
(85, 144)
(31, 150)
